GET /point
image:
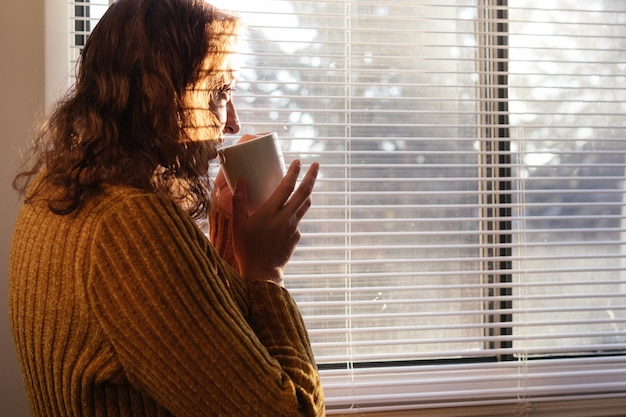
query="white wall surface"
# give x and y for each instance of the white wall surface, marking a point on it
(25, 30)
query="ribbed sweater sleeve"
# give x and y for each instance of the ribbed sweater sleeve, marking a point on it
(184, 331)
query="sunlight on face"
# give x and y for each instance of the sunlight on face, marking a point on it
(210, 102)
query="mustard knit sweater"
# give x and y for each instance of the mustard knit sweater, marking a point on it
(124, 308)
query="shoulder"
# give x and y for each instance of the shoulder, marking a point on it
(128, 201)
(133, 227)
(129, 212)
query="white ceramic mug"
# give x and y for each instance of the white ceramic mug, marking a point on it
(259, 162)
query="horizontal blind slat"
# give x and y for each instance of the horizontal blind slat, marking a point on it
(463, 180)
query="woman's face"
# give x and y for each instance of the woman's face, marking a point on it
(213, 111)
(222, 106)
(213, 115)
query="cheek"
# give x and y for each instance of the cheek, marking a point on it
(218, 108)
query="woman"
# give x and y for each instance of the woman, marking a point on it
(119, 305)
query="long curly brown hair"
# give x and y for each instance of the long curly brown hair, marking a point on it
(125, 121)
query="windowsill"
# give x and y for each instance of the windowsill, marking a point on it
(446, 389)
(585, 408)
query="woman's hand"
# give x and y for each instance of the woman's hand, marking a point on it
(265, 240)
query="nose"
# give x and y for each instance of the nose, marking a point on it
(232, 125)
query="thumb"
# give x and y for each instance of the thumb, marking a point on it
(240, 203)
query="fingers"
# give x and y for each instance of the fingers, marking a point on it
(285, 188)
(265, 240)
(292, 204)
(240, 203)
(221, 197)
(303, 209)
(247, 136)
(300, 200)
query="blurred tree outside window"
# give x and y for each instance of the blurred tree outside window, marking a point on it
(470, 206)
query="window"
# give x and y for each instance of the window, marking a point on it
(84, 14)
(466, 244)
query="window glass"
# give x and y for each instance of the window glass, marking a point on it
(472, 169)
(384, 97)
(469, 210)
(567, 101)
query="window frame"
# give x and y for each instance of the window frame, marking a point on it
(497, 158)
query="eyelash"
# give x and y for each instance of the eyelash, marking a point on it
(227, 90)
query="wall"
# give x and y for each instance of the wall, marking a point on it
(22, 92)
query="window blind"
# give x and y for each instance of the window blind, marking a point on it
(466, 244)
(84, 14)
